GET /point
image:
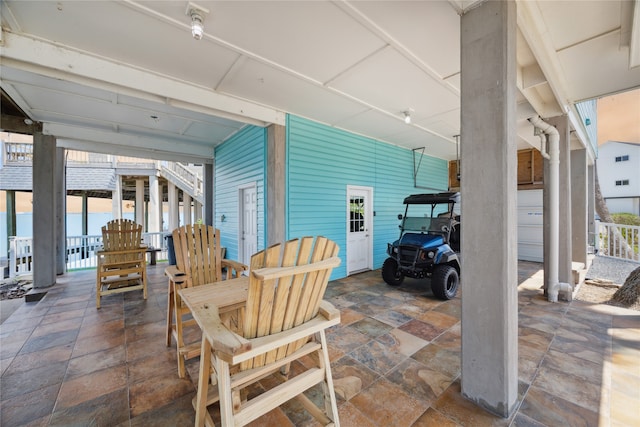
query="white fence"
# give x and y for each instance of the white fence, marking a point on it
(618, 241)
(81, 252)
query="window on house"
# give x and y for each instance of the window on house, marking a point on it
(622, 182)
(622, 158)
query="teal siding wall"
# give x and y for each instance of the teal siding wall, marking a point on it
(239, 161)
(323, 160)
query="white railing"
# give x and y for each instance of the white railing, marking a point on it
(81, 252)
(618, 241)
(17, 152)
(20, 257)
(21, 153)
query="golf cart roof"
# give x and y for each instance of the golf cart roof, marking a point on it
(428, 199)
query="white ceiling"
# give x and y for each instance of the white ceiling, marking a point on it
(128, 77)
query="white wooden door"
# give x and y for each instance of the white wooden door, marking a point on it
(359, 229)
(249, 224)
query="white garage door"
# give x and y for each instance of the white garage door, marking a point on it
(530, 244)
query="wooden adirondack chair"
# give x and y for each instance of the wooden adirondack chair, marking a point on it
(122, 265)
(285, 319)
(199, 260)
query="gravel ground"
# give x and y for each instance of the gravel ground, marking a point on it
(611, 269)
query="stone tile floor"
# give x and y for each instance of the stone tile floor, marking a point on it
(64, 363)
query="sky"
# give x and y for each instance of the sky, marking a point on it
(619, 117)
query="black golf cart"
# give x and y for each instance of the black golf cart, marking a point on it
(429, 244)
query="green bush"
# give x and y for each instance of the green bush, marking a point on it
(626, 219)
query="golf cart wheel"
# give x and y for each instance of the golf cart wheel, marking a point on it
(444, 282)
(391, 273)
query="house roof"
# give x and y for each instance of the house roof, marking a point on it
(634, 144)
(20, 178)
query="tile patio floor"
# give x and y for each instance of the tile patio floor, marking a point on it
(64, 363)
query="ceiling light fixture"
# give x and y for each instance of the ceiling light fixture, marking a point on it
(197, 25)
(196, 13)
(407, 116)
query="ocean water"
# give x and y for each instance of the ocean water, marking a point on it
(24, 225)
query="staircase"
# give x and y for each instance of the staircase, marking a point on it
(185, 178)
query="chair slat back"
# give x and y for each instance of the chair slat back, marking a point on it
(198, 253)
(121, 235)
(277, 305)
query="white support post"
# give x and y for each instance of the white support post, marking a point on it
(116, 199)
(174, 219)
(155, 205)
(139, 206)
(186, 208)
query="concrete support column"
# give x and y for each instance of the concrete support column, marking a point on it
(61, 212)
(276, 190)
(591, 204)
(209, 194)
(155, 205)
(139, 206)
(116, 199)
(197, 211)
(186, 208)
(561, 123)
(488, 147)
(579, 206)
(12, 228)
(85, 213)
(174, 214)
(44, 211)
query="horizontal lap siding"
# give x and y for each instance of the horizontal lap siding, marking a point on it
(322, 161)
(239, 161)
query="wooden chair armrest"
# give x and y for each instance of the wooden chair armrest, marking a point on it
(238, 266)
(175, 275)
(270, 273)
(328, 310)
(219, 336)
(234, 268)
(256, 346)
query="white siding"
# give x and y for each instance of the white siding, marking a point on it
(530, 233)
(619, 198)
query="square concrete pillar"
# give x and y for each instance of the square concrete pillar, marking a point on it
(209, 194)
(139, 206)
(174, 208)
(12, 228)
(591, 204)
(155, 205)
(276, 189)
(197, 211)
(116, 199)
(61, 212)
(44, 211)
(186, 208)
(579, 205)
(489, 193)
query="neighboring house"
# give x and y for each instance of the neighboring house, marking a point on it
(619, 176)
(329, 173)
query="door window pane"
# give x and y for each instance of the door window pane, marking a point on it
(356, 211)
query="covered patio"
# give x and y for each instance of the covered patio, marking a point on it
(65, 363)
